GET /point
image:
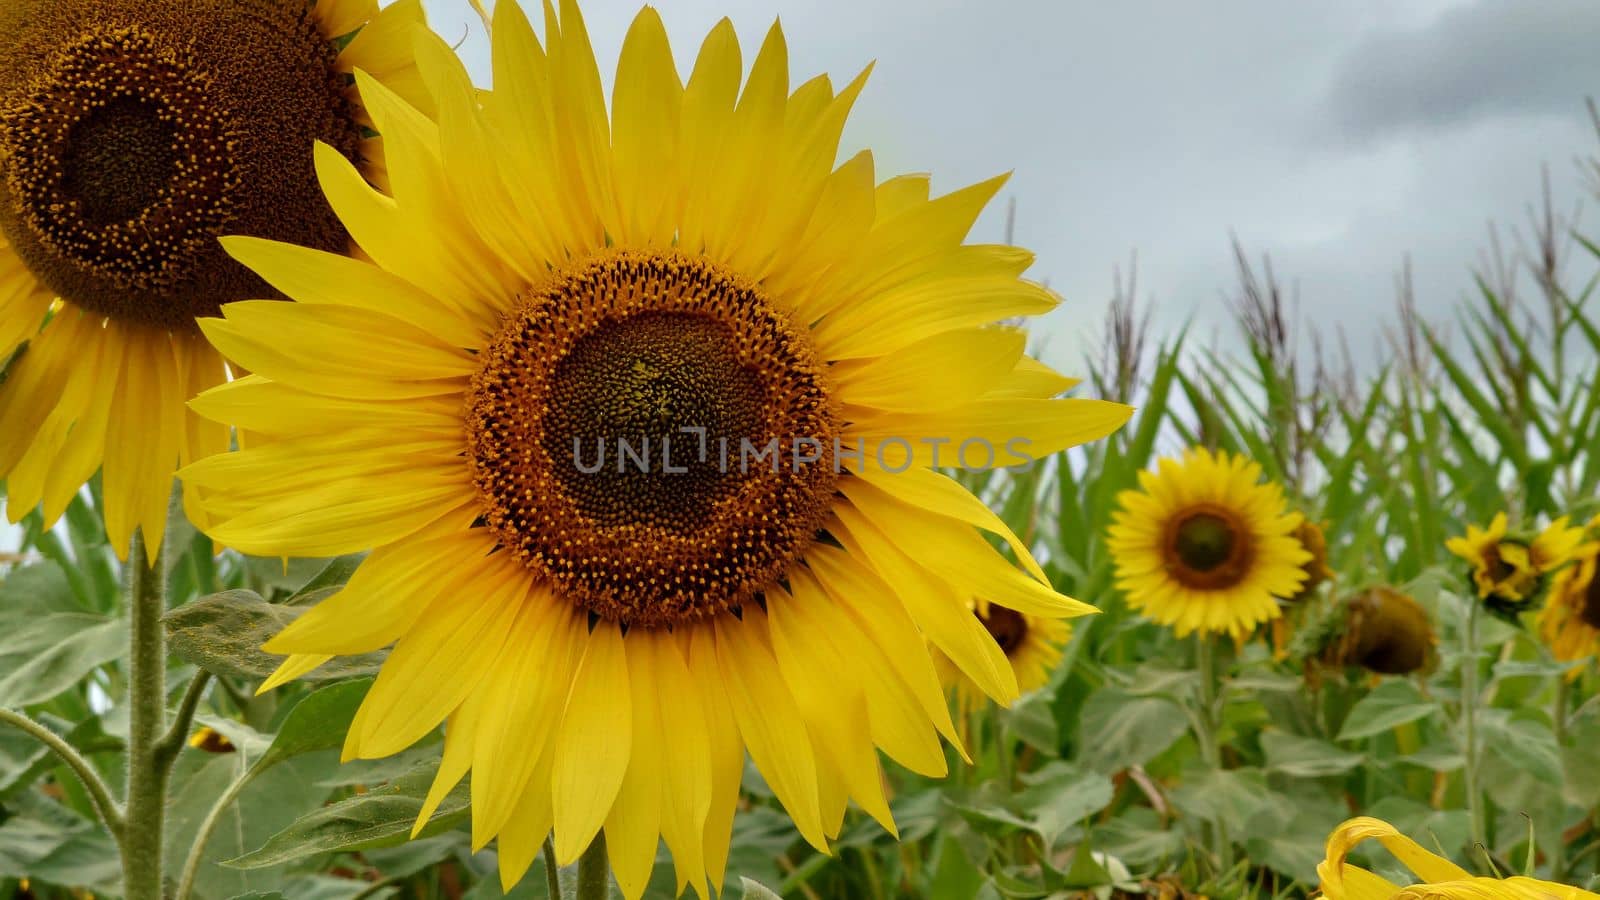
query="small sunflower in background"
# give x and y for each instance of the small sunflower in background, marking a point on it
(1510, 572)
(1313, 538)
(1570, 620)
(1032, 645)
(548, 285)
(1381, 629)
(134, 134)
(1204, 546)
(1440, 878)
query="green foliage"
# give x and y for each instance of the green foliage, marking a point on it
(1101, 784)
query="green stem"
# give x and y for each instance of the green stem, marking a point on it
(594, 871)
(1558, 853)
(1209, 735)
(172, 742)
(147, 712)
(552, 880)
(99, 793)
(1469, 714)
(197, 850)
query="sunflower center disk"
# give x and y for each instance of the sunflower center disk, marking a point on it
(1208, 549)
(1007, 626)
(651, 435)
(126, 150)
(1591, 602)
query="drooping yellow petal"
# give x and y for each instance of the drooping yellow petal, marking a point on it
(594, 743)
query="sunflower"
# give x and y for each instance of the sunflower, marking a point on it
(1570, 621)
(1510, 572)
(1384, 631)
(133, 134)
(1315, 542)
(1204, 546)
(639, 419)
(1441, 878)
(1032, 644)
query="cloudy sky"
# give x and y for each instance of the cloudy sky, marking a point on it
(1336, 135)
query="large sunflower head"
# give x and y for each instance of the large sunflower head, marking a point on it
(1510, 572)
(1570, 620)
(1203, 545)
(639, 416)
(133, 135)
(1440, 878)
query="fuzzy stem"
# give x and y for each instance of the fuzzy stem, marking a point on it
(594, 871)
(99, 793)
(147, 713)
(1469, 714)
(1558, 853)
(1210, 734)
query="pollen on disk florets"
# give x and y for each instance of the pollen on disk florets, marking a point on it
(650, 434)
(134, 133)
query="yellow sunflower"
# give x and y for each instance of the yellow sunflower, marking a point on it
(1570, 621)
(1032, 644)
(133, 134)
(1509, 572)
(638, 418)
(1204, 546)
(1441, 878)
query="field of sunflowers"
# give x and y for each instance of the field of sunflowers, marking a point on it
(308, 601)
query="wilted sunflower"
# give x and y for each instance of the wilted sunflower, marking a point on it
(1384, 631)
(660, 292)
(1441, 878)
(1509, 572)
(1203, 546)
(1570, 621)
(1032, 644)
(133, 134)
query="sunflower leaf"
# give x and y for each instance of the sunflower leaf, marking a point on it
(223, 634)
(381, 817)
(1393, 703)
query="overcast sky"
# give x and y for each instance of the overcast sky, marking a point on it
(1337, 136)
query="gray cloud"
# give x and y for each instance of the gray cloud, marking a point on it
(1489, 59)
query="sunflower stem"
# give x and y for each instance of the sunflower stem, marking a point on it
(1469, 714)
(148, 767)
(99, 793)
(594, 871)
(1209, 736)
(1558, 852)
(552, 880)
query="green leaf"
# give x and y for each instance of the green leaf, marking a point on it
(1306, 757)
(1394, 702)
(43, 655)
(378, 818)
(1061, 796)
(47, 842)
(223, 634)
(269, 803)
(319, 722)
(37, 589)
(1140, 837)
(755, 890)
(1120, 730)
(1525, 741)
(1232, 795)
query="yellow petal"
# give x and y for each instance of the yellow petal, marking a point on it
(594, 743)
